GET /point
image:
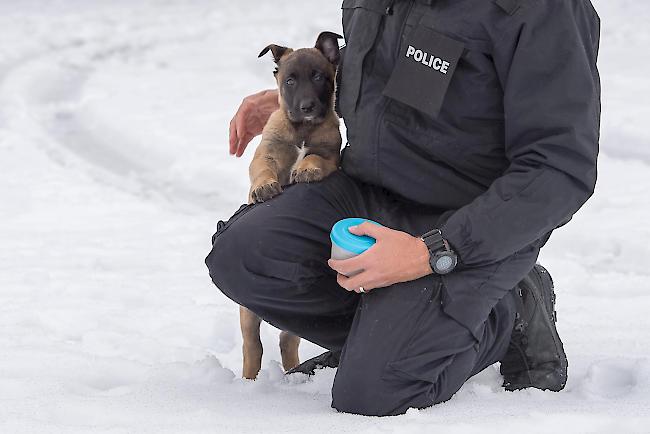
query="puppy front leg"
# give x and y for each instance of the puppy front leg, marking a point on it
(263, 173)
(252, 347)
(314, 168)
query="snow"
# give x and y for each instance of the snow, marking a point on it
(114, 170)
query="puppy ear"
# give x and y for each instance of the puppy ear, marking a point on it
(327, 43)
(277, 50)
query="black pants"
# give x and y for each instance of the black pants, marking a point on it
(399, 347)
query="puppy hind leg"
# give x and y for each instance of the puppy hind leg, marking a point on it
(289, 350)
(252, 347)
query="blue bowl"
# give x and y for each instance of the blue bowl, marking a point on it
(346, 241)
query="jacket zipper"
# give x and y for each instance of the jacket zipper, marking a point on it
(380, 121)
(389, 9)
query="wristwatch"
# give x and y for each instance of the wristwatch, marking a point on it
(441, 258)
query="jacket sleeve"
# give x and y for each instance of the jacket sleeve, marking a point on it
(547, 67)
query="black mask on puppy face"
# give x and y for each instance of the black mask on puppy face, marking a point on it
(306, 78)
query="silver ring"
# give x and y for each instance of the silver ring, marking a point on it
(361, 290)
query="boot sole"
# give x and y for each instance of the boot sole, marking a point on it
(309, 367)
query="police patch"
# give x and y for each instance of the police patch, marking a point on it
(424, 70)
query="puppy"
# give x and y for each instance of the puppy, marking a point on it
(301, 142)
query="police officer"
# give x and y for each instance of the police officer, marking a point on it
(469, 169)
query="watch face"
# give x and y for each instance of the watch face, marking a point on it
(444, 263)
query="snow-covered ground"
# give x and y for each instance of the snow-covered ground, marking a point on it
(114, 170)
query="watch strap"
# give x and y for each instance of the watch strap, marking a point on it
(434, 240)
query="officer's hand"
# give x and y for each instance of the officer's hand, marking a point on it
(395, 257)
(252, 115)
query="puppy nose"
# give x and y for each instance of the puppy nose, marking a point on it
(307, 106)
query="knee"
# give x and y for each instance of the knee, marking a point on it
(356, 394)
(368, 394)
(225, 262)
(387, 396)
(247, 257)
(394, 387)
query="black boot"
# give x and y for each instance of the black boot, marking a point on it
(326, 360)
(535, 357)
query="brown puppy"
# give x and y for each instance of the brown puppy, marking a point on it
(301, 142)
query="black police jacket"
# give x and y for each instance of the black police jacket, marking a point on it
(505, 135)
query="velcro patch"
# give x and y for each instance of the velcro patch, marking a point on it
(424, 70)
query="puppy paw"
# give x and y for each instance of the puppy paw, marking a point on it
(310, 174)
(265, 192)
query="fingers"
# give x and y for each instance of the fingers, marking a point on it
(370, 229)
(240, 135)
(243, 133)
(352, 284)
(243, 143)
(233, 139)
(369, 278)
(363, 280)
(347, 266)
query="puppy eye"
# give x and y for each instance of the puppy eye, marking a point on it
(318, 77)
(290, 82)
